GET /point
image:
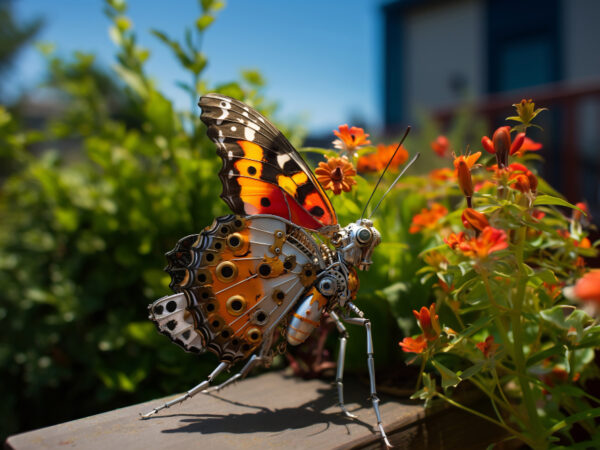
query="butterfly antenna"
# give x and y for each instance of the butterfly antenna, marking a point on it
(385, 170)
(410, 163)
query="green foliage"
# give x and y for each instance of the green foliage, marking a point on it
(84, 233)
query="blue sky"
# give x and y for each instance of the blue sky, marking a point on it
(321, 59)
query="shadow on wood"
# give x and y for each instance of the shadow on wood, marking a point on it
(270, 411)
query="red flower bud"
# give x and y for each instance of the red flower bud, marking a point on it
(464, 178)
(518, 142)
(501, 141)
(488, 145)
(474, 219)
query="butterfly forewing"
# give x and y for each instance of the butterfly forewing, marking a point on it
(239, 278)
(262, 173)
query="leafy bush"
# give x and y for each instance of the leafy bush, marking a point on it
(84, 233)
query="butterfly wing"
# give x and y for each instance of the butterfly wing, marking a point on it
(262, 172)
(237, 280)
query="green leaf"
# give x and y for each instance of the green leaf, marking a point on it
(542, 355)
(204, 22)
(576, 319)
(573, 418)
(546, 275)
(132, 79)
(253, 77)
(206, 4)
(449, 378)
(473, 370)
(550, 200)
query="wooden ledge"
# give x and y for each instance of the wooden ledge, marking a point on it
(269, 411)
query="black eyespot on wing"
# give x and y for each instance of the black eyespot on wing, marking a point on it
(316, 211)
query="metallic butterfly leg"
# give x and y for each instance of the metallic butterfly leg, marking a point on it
(339, 378)
(361, 320)
(191, 392)
(261, 357)
(255, 359)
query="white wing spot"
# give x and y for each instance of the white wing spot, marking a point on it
(230, 174)
(249, 134)
(230, 155)
(245, 114)
(261, 119)
(282, 159)
(233, 128)
(224, 113)
(253, 125)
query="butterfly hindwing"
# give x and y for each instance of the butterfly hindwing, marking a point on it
(262, 172)
(236, 281)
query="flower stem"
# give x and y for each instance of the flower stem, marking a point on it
(512, 431)
(518, 354)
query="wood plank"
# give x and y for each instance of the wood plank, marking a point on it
(270, 411)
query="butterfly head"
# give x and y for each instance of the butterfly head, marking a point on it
(355, 243)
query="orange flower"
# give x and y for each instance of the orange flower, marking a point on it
(443, 174)
(520, 182)
(553, 290)
(577, 215)
(489, 241)
(455, 240)
(444, 286)
(529, 145)
(474, 219)
(374, 162)
(537, 214)
(350, 138)
(469, 160)
(428, 322)
(488, 347)
(414, 345)
(587, 287)
(441, 145)
(427, 218)
(558, 376)
(519, 177)
(336, 174)
(435, 259)
(584, 243)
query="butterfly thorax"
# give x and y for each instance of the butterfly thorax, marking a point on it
(355, 243)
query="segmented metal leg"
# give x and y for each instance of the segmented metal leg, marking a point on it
(339, 378)
(191, 392)
(238, 376)
(361, 320)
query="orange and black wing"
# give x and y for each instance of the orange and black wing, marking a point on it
(262, 172)
(236, 282)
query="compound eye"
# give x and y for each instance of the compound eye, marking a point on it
(364, 235)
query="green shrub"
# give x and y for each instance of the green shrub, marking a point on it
(84, 233)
